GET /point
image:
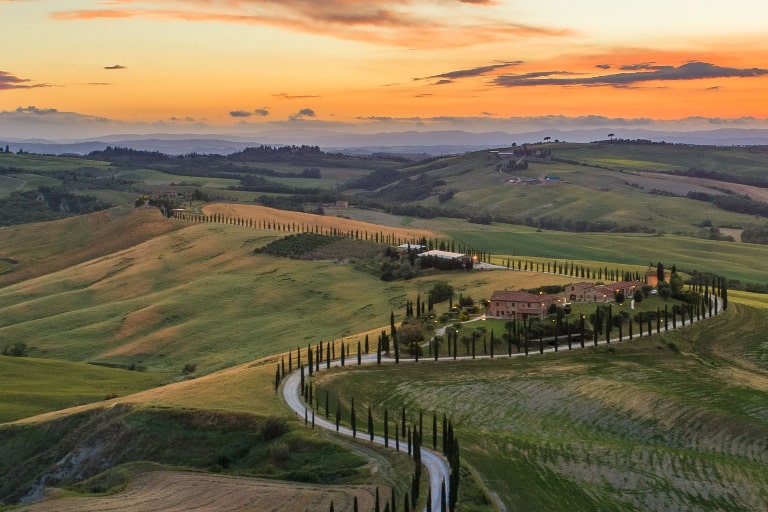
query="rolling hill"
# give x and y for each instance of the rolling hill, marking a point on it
(183, 319)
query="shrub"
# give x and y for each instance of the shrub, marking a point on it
(441, 292)
(273, 427)
(18, 349)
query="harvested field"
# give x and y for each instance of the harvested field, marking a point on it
(178, 491)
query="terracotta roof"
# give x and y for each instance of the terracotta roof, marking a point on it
(511, 296)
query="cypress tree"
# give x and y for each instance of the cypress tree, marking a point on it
(370, 423)
(338, 415)
(434, 431)
(442, 496)
(277, 378)
(353, 419)
(359, 354)
(386, 430)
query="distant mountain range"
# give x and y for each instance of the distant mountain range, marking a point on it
(410, 142)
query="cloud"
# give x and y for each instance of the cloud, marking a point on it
(603, 66)
(36, 111)
(303, 114)
(401, 23)
(262, 112)
(9, 81)
(293, 97)
(116, 66)
(647, 73)
(644, 66)
(450, 76)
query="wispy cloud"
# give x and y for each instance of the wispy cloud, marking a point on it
(116, 66)
(450, 76)
(636, 74)
(401, 23)
(293, 97)
(9, 81)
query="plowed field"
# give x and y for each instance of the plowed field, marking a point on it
(182, 492)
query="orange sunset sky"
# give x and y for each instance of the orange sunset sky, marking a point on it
(196, 65)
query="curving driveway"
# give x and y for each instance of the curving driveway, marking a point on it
(436, 464)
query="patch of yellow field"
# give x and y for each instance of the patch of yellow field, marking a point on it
(755, 300)
(270, 215)
(733, 376)
(137, 321)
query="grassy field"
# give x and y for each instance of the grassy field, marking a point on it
(676, 419)
(634, 426)
(732, 260)
(32, 386)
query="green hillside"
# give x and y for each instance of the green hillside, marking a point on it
(677, 418)
(676, 421)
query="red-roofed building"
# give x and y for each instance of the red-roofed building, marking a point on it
(518, 305)
(590, 292)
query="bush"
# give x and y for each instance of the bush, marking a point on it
(18, 349)
(441, 292)
(189, 368)
(273, 427)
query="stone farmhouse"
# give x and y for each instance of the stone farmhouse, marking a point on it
(590, 292)
(653, 280)
(519, 305)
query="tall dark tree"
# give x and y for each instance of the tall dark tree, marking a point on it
(370, 423)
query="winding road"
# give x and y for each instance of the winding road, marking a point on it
(436, 464)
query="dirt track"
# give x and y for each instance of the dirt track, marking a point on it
(177, 491)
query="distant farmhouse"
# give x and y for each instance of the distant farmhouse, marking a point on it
(652, 279)
(519, 305)
(445, 260)
(590, 292)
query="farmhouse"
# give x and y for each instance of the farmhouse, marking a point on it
(446, 260)
(652, 279)
(590, 292)
(403, 248)
(519, 305)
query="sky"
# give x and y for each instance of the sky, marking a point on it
(73, 68)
